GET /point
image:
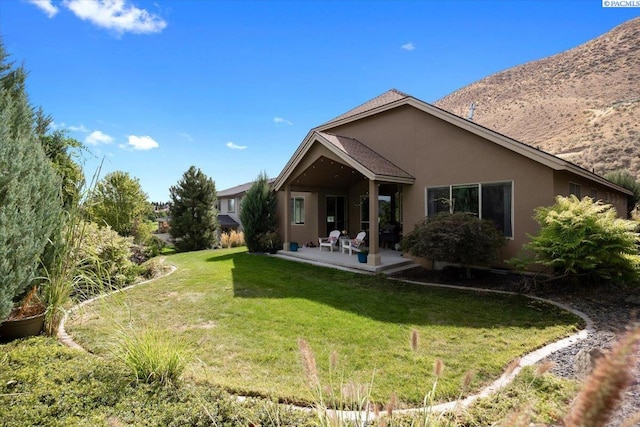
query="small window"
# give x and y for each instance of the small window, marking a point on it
(231, 205)
(297, 210)
(575, 189)
(594, 194)
(218, 205)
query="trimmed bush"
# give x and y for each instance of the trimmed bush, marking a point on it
(586, 238)
(459, 237)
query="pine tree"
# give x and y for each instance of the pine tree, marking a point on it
(30, 202)
(194, 217)
(258, 212)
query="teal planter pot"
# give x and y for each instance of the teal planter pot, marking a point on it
(293, 247)
(362, 257)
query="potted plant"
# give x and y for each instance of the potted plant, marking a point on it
(26, 319)
(293, 246)
(362, 255)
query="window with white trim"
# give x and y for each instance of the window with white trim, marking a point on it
(231, 205)
(492, 201)
(297, 210)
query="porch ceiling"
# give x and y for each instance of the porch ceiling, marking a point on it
(327, 173)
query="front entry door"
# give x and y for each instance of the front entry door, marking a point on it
(335, 213)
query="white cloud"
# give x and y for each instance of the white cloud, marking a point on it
(46, 6)
(186, 136)
(278, 120)
(408, 46)
(98, 137)
(236, 146)
(142, 143)
(117, 15)
(80, 128)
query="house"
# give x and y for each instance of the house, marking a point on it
(229, 201)
(395, 159)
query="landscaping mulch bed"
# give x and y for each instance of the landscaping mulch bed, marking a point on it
(612, 310)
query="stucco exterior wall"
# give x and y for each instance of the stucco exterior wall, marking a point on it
(437, 153)
(300, 233)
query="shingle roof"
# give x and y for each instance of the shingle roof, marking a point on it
(227, 221)
(238, 189)
(365, 156)
(388, 97)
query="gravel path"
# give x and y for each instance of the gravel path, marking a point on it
(611, 314)
(611, 311)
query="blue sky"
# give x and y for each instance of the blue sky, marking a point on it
(233, 87)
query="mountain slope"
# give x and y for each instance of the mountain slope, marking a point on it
(582, 105)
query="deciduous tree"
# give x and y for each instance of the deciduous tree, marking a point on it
(118, 201)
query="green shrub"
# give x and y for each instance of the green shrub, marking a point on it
(45, 383)
(104, 260)
(586, 238)
(459, 238)
(268, 242)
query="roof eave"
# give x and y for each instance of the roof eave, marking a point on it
(540, 156)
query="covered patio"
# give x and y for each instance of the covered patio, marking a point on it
(390, 261)
(337, 183)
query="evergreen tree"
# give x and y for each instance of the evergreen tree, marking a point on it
(625, 180)
(58, 148)
(118, 201)
(30, 202)
(194, 217)
(258, 212)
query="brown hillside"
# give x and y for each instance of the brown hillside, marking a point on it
(582, 105)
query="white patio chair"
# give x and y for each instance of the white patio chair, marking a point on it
(354, 245)
(329, 242)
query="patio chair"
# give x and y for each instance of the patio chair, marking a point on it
(329, 242)
(354, 245)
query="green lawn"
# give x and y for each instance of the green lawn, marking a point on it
(243, 314)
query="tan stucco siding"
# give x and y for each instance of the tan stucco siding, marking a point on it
(308, 231)
(563, 181)
(437, 153)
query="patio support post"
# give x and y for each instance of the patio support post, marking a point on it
(287, 220)
(374, 255)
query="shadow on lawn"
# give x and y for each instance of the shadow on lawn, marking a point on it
(378, 298)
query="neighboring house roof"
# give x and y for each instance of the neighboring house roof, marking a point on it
(227, 221)
(238, 189)
(394, 99)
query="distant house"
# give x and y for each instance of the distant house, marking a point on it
(229, 201)
(395, 159)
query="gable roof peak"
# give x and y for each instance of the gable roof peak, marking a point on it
(392, 95)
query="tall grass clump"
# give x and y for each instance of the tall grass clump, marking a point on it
(152, 355)
(232, 239)
(337, 403)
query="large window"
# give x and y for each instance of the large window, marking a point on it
(297, 210)
(490, 201)
(231, 205)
